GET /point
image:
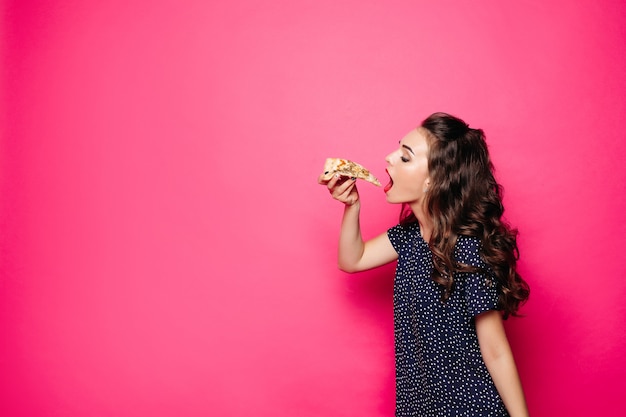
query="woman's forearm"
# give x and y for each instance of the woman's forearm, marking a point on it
(498, 357)
(506, 378)
(351, 243)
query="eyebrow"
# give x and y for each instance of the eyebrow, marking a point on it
(410, 150)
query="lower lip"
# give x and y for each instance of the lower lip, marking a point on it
(390, 184)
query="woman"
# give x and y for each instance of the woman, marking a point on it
(456, 275)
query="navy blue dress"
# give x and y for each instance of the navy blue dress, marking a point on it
(439, 367)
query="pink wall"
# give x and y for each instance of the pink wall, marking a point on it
(165, 249)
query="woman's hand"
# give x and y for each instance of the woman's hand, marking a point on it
(341, 188)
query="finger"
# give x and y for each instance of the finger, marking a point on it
(345, 192)
(350, 196)
(346, 185)
(321, 180)
(333, 182)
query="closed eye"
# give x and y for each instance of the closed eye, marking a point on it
(404, 159)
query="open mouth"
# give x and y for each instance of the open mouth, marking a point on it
(390, 184)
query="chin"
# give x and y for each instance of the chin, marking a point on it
(399, 200)
(392, 200)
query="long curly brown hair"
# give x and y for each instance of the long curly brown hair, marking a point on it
(464, 199)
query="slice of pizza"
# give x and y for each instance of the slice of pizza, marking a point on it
(347, 168)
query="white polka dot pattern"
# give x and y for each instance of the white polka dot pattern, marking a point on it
(439, 367)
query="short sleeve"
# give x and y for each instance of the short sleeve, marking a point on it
(481, 293)
(400, 236)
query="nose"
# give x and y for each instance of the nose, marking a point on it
(389, 158)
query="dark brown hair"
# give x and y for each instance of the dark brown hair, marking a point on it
(464, 199)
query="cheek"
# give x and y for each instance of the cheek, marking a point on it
(410, 184)
(407, 185)
(413, 177)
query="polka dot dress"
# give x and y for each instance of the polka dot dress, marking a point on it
(439, 367)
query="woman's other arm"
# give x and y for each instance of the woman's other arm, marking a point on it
(496, 352)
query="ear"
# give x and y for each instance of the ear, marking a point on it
(426, 184)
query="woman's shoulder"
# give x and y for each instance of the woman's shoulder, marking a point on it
(467, 251)
(405, 228)
(402, 233)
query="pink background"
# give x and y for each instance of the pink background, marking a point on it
(166, 251)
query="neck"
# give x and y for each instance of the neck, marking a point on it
(425, 222)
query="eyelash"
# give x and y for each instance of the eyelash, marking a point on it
(404, 159)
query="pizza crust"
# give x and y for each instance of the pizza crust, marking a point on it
(347, 168)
